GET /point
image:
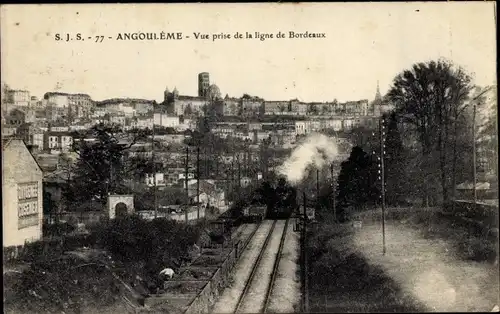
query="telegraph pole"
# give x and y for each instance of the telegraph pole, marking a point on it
(206, 162)
(187, 174)
(247, 162)
(317, 185)
(217, 168)
(304, 200)
(474, 174)
(239, 172)
(154, 170)
(198, 179)
(334, 194)
(382, 179)
(232, 174)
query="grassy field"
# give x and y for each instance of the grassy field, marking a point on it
(431, 264)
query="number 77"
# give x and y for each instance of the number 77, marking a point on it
(99, 39)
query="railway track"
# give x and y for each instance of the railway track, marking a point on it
(257, 291)
(275, 268)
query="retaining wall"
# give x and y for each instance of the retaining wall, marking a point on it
(208, 288)
(205, 300)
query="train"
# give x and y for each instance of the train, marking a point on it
(280, 198)
(254, 213)
(274, 199)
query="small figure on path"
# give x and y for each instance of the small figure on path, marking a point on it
(167, 272)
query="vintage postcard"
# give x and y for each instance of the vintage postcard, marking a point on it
(273, 157)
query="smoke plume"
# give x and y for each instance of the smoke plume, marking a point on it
(317, 151)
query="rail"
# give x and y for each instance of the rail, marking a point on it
(275, 268)
(239, 246)
(250, 237)
(305, 271)
(254, 269)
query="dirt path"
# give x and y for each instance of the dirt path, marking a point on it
(427, 269)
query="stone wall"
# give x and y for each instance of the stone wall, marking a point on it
(205, 289)
(206, 299)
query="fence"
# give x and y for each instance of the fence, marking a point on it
(483, 213)
(393, 213)
(188, 215)
(87, 217)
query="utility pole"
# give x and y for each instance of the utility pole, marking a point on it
(205, 161)
(198, 179)
(232, 174)
(305, 273)
(474, 174)
(382, 155)
(187, 174)
(239, 172)
(304, 200)
(334, 194)
(217, 168)
(247, 162)
(154, 170)
(110, 176)
(317, 185)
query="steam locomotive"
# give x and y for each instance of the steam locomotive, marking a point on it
(279, 197)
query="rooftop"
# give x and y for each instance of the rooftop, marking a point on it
(47, 95)
(123, 100)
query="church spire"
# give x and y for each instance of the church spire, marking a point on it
(378, 97)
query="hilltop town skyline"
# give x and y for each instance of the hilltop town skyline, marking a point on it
(193, 94)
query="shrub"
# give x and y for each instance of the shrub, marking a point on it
(158, 243)
(58, 229)
(478, 249)
(61, 284)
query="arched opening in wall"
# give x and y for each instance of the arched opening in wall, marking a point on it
(121, 210)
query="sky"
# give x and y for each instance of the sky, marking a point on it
(364, 43)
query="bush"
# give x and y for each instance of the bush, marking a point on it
(158, 243)
(61, 285)
(478, 249)
(58, 229)
(77, 241)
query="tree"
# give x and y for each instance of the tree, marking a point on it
(100, 168)
(431, 97)
(335, 106)
(487, 133)
(138, 166)
(326, 109)
(364, 137)
(356, 187)
(312, 109)
(394, 162)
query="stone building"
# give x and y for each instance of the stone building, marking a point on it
(22, 201)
